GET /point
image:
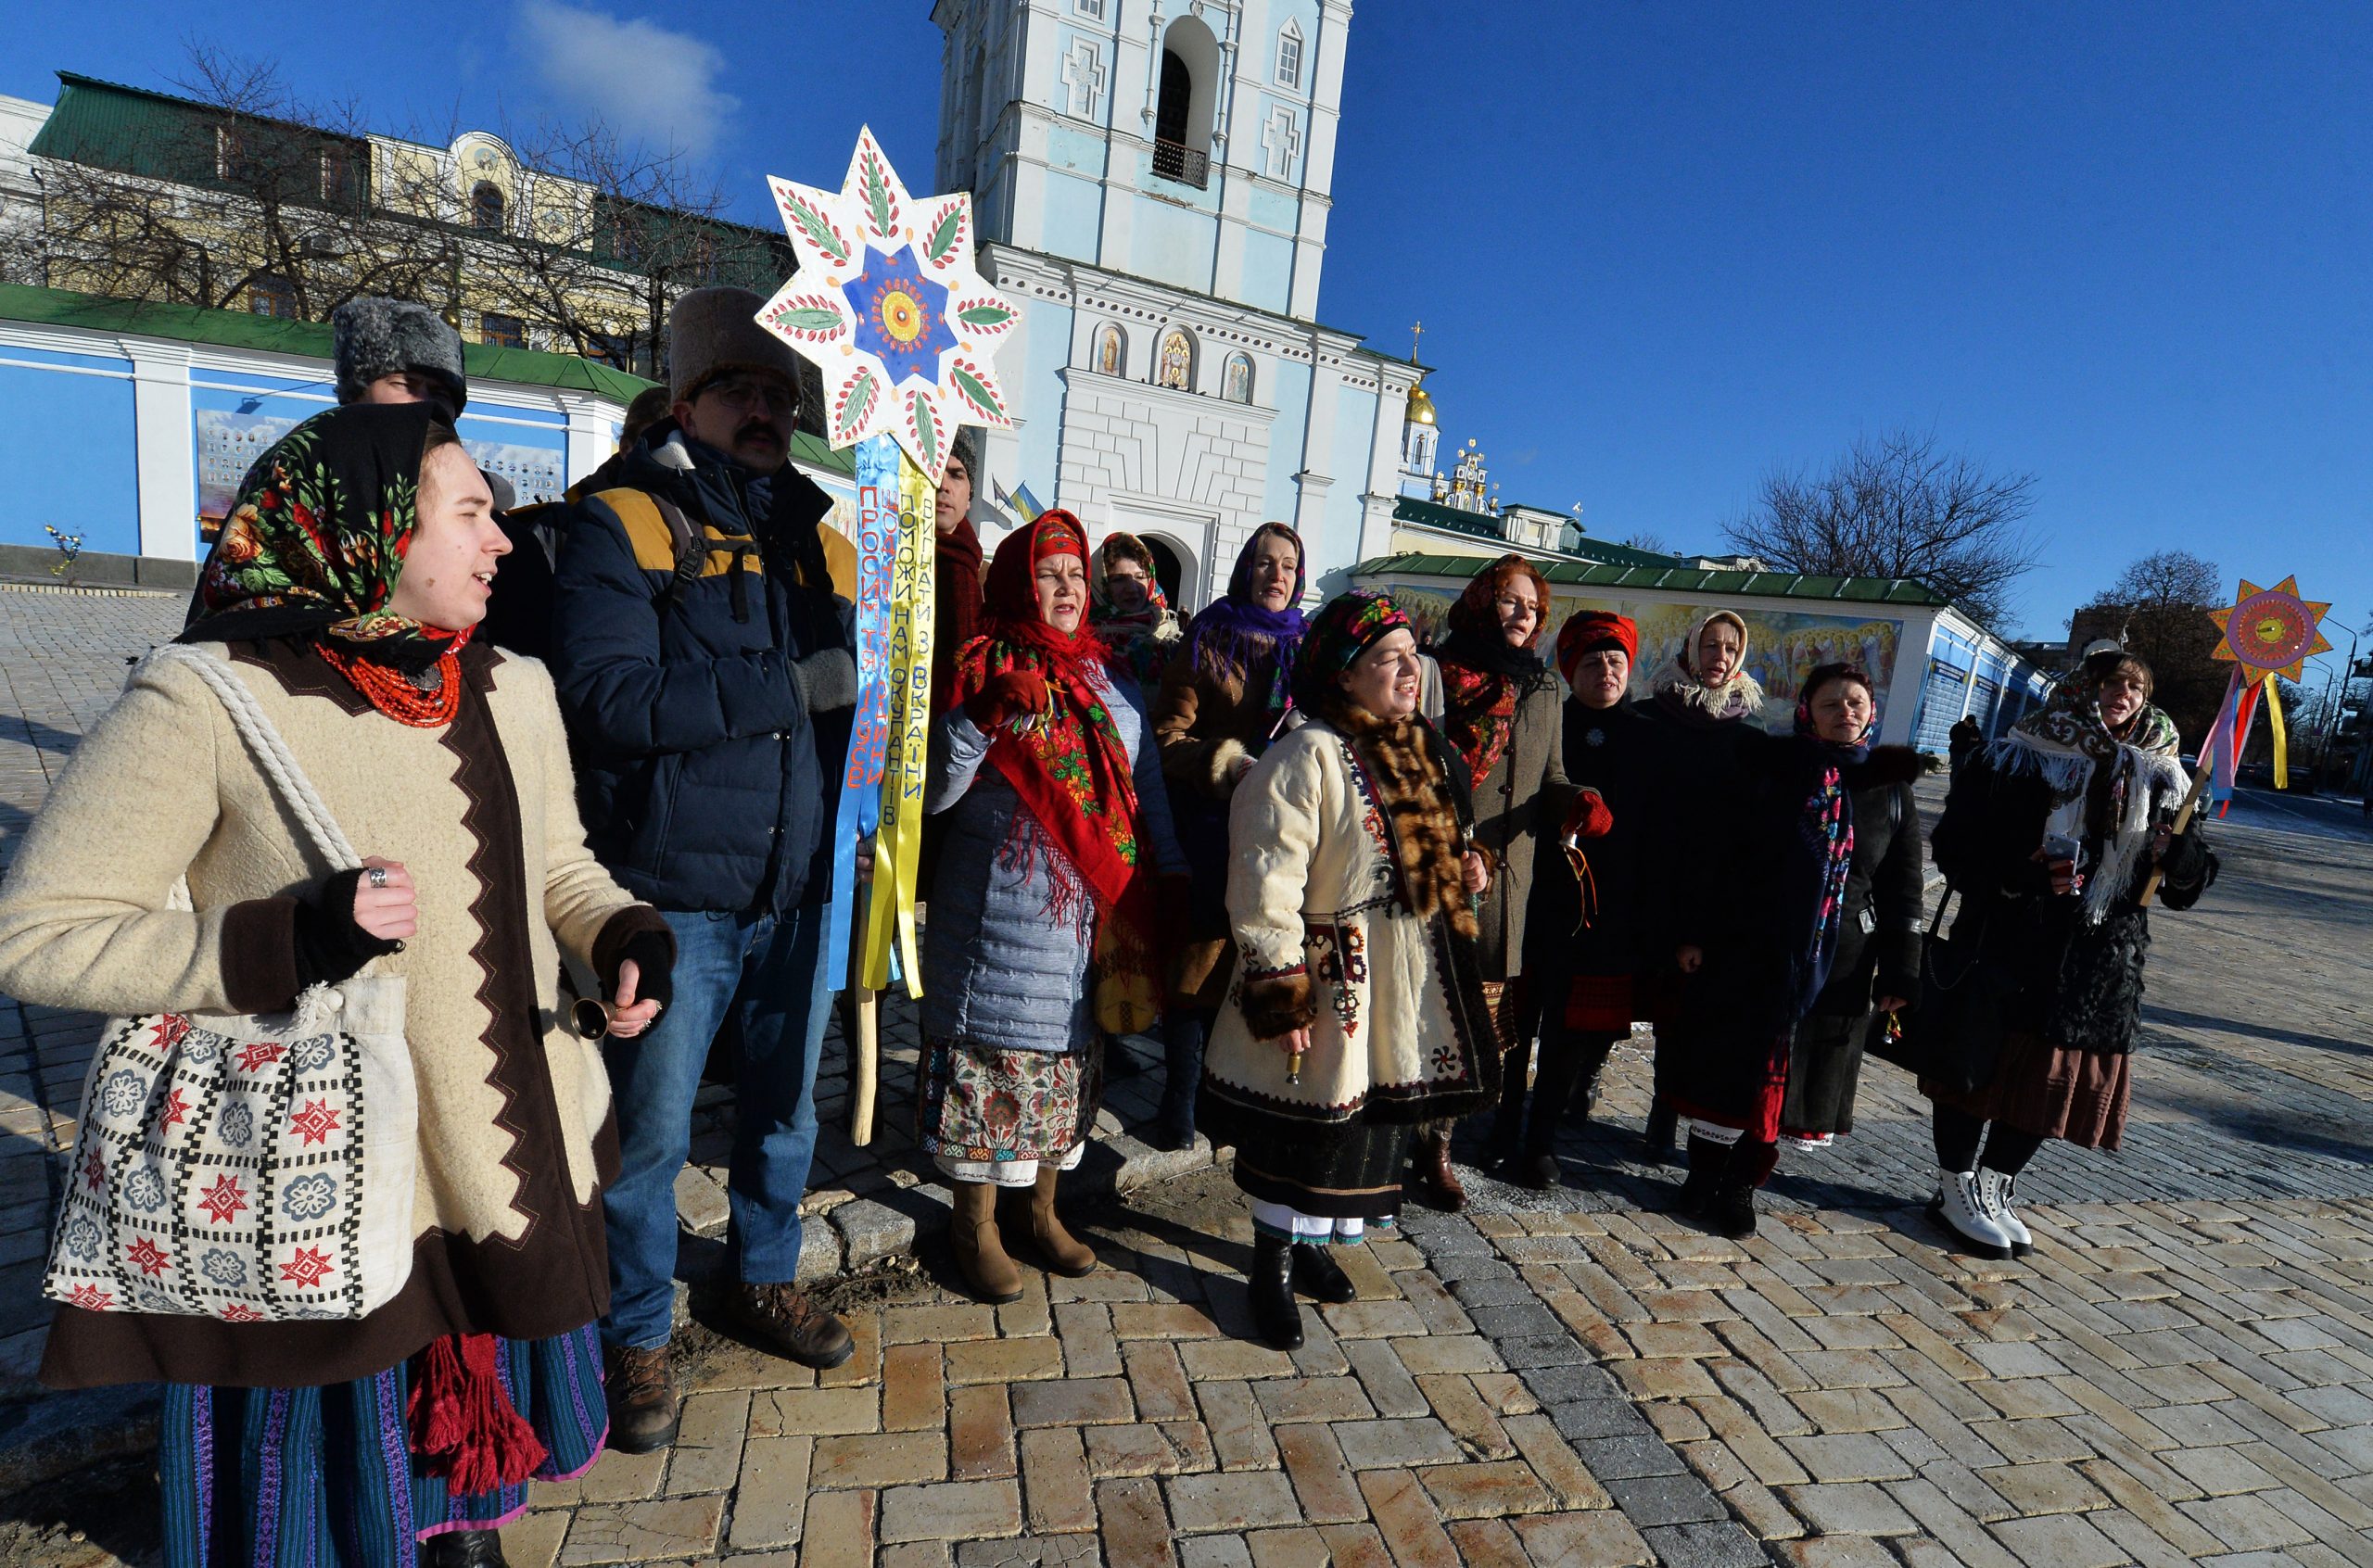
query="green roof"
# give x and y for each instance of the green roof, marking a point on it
(1677, 579)
(239, 329)
(1451, 519)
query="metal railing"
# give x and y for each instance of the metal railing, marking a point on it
(1176, 161)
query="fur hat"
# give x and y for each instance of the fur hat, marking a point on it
(966, 449)
(371, 337)
(717, 329)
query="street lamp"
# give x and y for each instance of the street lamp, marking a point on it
(2346, 674)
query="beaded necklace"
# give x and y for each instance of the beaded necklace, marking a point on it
(399, 696)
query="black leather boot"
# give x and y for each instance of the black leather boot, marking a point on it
(463, 1548)
(1707, 1162)
(1664, 1122)
(1182, 1053)
(1318, 1276)
(1271, 1286)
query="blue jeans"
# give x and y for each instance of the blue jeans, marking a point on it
(768, 972)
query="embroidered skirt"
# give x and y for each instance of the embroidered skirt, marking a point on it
(982, 1106)
(323, 1477)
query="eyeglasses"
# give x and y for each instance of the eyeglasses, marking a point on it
(749, 392)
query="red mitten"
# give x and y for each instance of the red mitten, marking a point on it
(1589, 817)
(1008, 694)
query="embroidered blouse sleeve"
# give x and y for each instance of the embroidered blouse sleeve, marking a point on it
(1274, 827)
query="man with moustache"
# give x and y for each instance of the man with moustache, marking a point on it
(706, 671)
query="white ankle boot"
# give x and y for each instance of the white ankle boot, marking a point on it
(1994, 1189)
(1966, 1213)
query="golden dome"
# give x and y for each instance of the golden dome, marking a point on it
(1421, 406)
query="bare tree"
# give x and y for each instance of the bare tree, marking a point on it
(2158, 608)
(1647, 539)
(1896, 506)
(243, 192)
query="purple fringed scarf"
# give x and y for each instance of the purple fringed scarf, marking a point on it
(1233, 634)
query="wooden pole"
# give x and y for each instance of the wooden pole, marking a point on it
(2183, 820)
(865, 1051)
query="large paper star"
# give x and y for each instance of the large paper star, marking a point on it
(2270, 631)
(887, 304)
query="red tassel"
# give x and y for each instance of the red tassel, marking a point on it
(464, 1425)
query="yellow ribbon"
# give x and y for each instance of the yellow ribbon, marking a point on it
(898, 844)
(2281, 736)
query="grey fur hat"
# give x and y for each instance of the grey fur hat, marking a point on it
(715, 329)
(372, 337)
(966, 449)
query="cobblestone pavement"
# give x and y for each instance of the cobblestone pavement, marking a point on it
(2178, 1374)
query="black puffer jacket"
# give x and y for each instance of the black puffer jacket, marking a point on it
(705, 782)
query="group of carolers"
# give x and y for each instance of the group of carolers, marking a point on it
(1349, 878)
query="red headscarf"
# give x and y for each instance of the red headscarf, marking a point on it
(1071, 769)
(1483, 677)
(1586, 631)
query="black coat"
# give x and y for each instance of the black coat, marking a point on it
(1627, 759)
(704, 781)
(2084, 989)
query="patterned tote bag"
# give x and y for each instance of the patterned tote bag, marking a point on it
(254, 1167)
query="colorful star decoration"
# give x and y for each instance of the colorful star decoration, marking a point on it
(223, 1200)
(2270, 631)
(149, 1258)
(314, 1123)
(887, 304)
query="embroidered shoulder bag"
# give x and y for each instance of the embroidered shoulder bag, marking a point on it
(254, 1167)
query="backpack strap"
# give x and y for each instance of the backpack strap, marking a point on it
(665, 541)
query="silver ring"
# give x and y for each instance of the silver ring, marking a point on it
(378, 876)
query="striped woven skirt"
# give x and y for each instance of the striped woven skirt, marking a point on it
(323, 1477)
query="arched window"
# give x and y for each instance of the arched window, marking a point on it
(486, 205)
(1186, 100)
(1112, 350)
(1176, 367)
(1235, 381)
(1289, 72)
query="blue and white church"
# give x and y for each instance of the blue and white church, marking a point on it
(1152, 180)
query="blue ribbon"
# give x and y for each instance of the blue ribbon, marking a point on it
(860, 812)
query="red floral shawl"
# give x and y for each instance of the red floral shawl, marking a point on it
(1483, 676)
(1071, 769)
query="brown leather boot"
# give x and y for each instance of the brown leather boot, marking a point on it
(980, 1254)
(1061, 1252)
(640, 1385)
(1436, 1172)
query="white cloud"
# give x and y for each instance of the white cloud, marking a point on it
(648, 84)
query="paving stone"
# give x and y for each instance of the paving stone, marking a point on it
(1716, 1545)
(951, 1511)
(1148, 1449)
(1322, 1481)
(1073, 1402)
(1243, 1500)
(1131, 1525)
(1313, 1399)
(641, 1531)
(1370, 1445)
(1849, 1508)
(876, 1459)
(1614, 1459)
(1486, 1489)
(1055, 1480)
(771, 1501)
(838, 1531)
(1605, 1540)
(1407, 1520)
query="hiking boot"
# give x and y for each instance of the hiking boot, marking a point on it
(641, 1389)
(785, 1318)
(1320, 1277)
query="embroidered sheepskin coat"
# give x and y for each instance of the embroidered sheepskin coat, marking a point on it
(1324, 931)
(516, 1136)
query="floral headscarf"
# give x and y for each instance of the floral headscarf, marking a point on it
(1483, 677)
(1141, 638)
(1070, 768)
(1681, 690)
(317, 539)
(1345, 628)
(2102, 782)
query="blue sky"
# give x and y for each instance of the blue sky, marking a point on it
(1659, 250)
